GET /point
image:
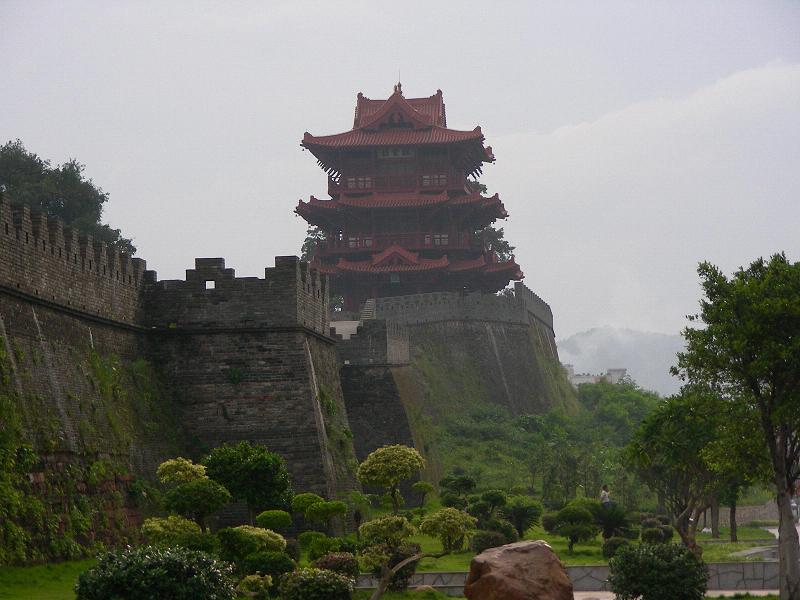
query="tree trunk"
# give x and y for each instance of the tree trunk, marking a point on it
(387, 573)
(715, 517)
(734, 532)
(788, 549)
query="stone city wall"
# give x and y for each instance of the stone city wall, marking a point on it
(376, 342)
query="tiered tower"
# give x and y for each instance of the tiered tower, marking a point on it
(403, 217)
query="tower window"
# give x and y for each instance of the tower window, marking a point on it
(211, 284)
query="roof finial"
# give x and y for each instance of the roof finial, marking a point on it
(398, 88)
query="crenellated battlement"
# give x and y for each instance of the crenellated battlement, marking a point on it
(520, 307)
(41, 257)
(211, 296)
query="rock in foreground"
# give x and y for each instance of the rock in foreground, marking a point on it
(522, 571)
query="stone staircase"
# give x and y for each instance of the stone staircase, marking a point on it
(368, 310)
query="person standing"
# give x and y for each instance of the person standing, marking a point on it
(605, 497)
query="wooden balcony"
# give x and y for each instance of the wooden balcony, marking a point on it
(353, 244)
(396, 183)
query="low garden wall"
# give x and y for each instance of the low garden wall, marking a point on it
(721, 576)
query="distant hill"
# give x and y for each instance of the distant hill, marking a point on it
(647, 356)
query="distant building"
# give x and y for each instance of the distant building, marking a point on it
(611, 376)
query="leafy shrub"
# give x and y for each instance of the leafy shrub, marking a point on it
(480, 510)
(238, 542)
(523, 512)
(612, 520)
(650, 523)
(293, 548)
(307, 537)
(630, 533)
(550, 522)
(588, 503)
(321, 546)
(274, 564)
(343, 563)
(652, 535)
(274, 519)
(452, 500)
(150, 572)
(168, 531)
(202, 542)
(179, 470)
(450, 525)
(667, 532)
(255, 586)
(375, 557)
(483, 540)
(315, 584)
(657, 572)
(576, 524)
(663, 520)
(323, 512)
(301, 502)
(504, 527)
(495, 498)
(390, 530)
(612, 545)
(197, 499)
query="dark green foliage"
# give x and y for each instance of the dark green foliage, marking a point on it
(460, 485)
(504, 527)
(274, 564)
(480, 510)
(667, 532)
(315, 584)
(495, 498)
(251, 473)
(319, 547)
(236, 543)
(293, 548)
(149, 572)
(60, 191)
(307, 537)
(611, 519)
(630, 533)
(650, 523)
(323, 512)
(397, 555)
(550, 522)
(657, 572)
(197, 499)
(344, 563)
(612, 545)
(453, 500)
(276, 520)
(301, 502)
(523, 512)
(482, 540)
(576, 524)
(652, 535)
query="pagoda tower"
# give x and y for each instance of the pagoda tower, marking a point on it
(403, 216)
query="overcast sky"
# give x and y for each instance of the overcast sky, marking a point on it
(633, 139)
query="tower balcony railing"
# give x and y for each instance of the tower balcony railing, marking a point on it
(396, 183)
(430, 240)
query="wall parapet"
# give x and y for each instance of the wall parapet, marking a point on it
(43, 258)
(521, 307)
(376, 342)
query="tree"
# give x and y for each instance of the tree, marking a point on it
(197, 499)
(576, 524)
(749, 351)
(251, 473)
(276, 520)
(523, 512)
(179, 470)
(323, 512)
(302, 501)
(667, 453)
(61, 192)
(423, 488)
(450, 525)
(386, 467)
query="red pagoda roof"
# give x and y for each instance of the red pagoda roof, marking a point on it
(403, 200)
(430, 109)
(393, 137)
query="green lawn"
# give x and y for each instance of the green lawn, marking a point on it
(743, 533)
(45, 582)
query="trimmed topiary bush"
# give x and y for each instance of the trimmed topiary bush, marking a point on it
(576, 524)
(657, 572)
(650, 523)
(667, 532)
(652, 535)
(316, 584)
(483, 540)
(168, 531)
(274, 564)
(150, 572)
(504, 527)
(238, 542)
(274, 519)
(550, 522)
(255, 586)
(343, 563)
(378, 555)
(319, 547)
(301, 502)
(612, 545)
(307, 537)
(293, 548)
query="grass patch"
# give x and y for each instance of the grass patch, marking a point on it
(364, 595)
(44, 582)
(743, 533)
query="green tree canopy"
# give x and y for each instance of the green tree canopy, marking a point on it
(386, 467)
(61, 191)
(251, 473)
(748, 351)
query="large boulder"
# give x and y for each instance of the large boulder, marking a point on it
(522, 571)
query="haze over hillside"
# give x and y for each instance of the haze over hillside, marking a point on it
(647, 356)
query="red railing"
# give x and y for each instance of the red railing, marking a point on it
(458, 240)
(396, 183)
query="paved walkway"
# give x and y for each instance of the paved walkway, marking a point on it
(610, 595)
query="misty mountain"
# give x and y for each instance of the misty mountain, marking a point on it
(647, 356)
